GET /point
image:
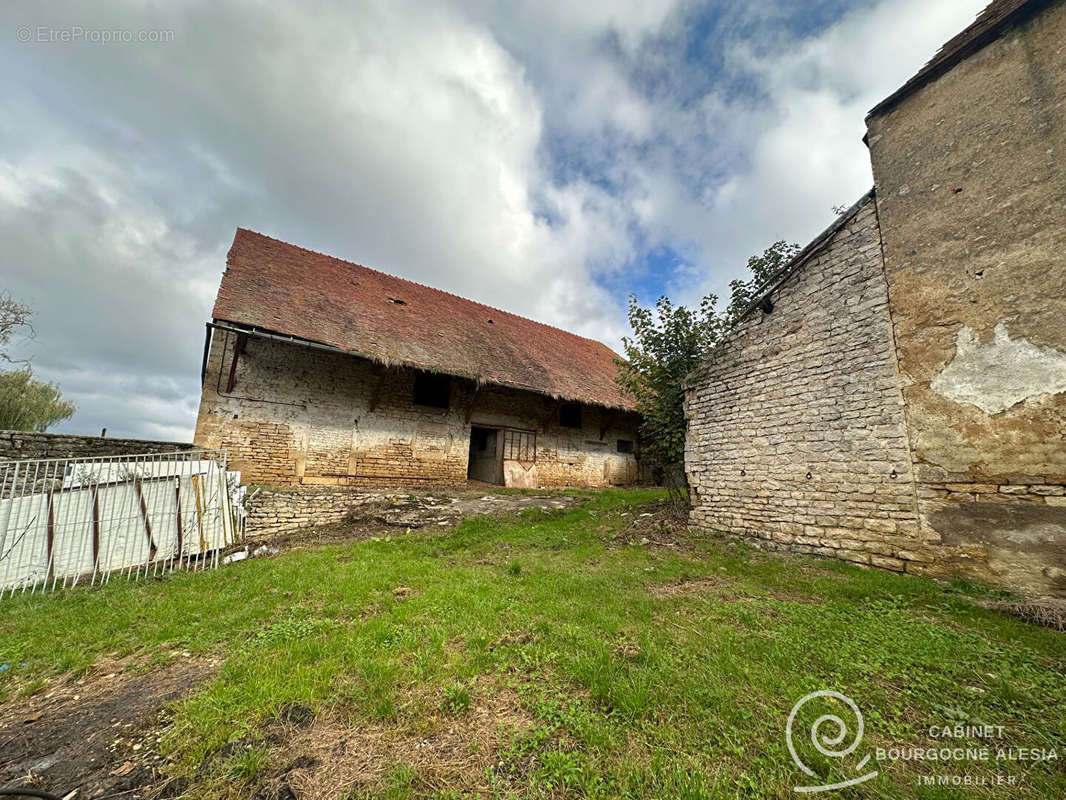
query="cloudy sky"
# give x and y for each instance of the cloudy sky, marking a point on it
(547, 157)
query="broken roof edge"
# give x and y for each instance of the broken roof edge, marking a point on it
(965, 46)
(787, 271)
(385, 361)
(413, 283)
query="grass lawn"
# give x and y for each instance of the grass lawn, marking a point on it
(555, 655)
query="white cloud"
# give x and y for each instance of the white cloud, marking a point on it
(516, 153)
(804, 152)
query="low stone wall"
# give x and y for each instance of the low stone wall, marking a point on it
(276, 511)
(15, 445)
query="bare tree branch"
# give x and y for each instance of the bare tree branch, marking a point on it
(13, 317)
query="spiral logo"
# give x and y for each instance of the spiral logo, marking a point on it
(829, 735)
(24, 33)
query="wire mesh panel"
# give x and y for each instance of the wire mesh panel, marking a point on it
(68, 521)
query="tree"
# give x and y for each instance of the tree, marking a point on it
(763, 268)
(26, 404)
(13, 315)
(669, 342)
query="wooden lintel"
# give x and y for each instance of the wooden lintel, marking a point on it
(375, 395)
(238, 348)
(473, 400)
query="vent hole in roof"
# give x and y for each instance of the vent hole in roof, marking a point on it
(490, 322)
(397, 301)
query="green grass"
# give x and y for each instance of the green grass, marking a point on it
(626, 692)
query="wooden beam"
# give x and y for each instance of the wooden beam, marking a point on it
(238, 348)
(473, 400)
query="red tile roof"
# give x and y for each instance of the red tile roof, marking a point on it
(990, 24)
(282, 288)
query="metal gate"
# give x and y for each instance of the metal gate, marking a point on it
(70, 521)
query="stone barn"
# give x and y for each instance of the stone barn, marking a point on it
(318, 371)
(897, 395)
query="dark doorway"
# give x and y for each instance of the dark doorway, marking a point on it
(484, 463)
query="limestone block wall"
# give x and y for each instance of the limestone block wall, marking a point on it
(971, 194)
(796, 431)
(299, 416)
(273, 512)
(798, 437)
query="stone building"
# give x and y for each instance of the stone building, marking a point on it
(318, 371)
(897, 396)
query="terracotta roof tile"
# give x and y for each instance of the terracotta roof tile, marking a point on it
(279, 287)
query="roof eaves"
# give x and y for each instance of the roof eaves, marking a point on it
(240, 327)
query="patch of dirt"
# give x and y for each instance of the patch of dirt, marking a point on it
(724, 588)
(96, 734)
(430, 510)
(1048, 612)
(688, 587)
(653, 525)
(451, 753)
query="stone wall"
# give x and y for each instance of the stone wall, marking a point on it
(971, 195)
(300, 416)
(796, 432)
(272, 512)
(22, 444)
(911, 414)
(795, 425)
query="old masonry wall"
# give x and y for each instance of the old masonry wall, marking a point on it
(299, 416)
(970, 195)
(796, 433)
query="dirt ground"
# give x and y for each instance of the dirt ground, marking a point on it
(658, 525)
(324, 758)
(96, 733)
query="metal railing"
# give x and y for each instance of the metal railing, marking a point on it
(85, 520)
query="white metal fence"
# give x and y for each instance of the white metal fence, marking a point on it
(70, 521)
